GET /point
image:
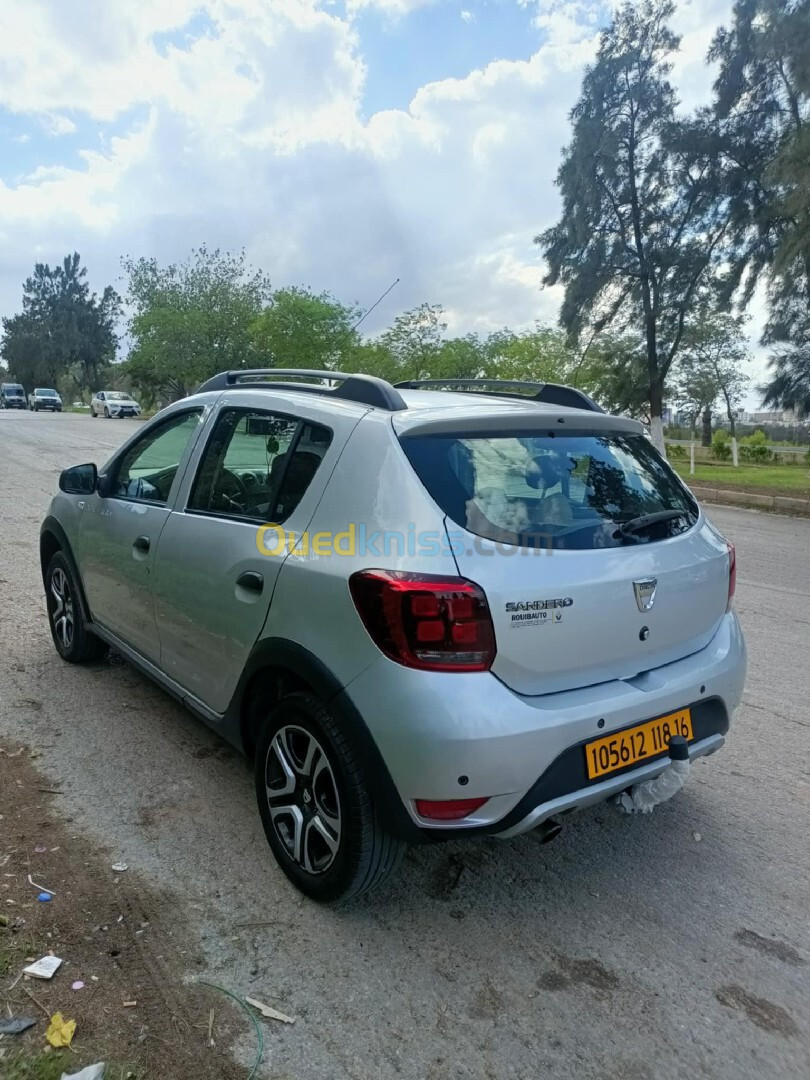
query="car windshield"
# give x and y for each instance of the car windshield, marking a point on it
(46, 393)
(13, 391)
(115, 395)
(575, 492)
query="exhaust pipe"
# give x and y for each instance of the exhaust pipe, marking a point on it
(547, 830)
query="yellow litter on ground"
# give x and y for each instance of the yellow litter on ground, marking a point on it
(60, 1031)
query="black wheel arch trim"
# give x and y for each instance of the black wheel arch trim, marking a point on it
(51, 527)
(283, 655)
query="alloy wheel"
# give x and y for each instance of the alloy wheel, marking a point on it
(303, 798)
(61, 603)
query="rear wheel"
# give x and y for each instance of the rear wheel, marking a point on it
(73, 640)
(315, 805)
(93, 412)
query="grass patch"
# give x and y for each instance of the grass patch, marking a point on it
(22, 1066)
(50, 1066)
(782, 478)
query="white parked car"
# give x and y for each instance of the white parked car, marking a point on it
(44, 399)
(114, 403)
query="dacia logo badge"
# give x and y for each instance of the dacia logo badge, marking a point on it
(645, 593)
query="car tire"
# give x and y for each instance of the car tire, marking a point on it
(73, 640)
(93, 413)
(320, 822)
(106, 413)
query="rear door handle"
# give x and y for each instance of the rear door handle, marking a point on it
(251, 580)
(142, 543)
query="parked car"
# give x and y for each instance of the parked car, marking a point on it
(12, 396)
(114, 403)
(470, 615)
(44, 399)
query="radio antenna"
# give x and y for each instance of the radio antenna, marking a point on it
(375, 304)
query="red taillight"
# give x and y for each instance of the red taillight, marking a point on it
(447, 809)
(732, 572)
(425, 621)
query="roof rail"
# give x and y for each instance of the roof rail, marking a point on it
(365, 389)
(550, 393)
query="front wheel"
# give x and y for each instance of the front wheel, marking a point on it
(73, 640)
(315, 806)
(106, 413)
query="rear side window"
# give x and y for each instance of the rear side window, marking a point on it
(569, 492)
(257, 465)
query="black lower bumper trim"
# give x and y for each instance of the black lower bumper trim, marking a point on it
(567, 773)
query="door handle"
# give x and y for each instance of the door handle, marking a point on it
(251, 580)
(142, 544)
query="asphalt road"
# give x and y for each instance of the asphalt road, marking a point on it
(673, 945)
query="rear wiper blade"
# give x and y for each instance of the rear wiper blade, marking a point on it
(637, 524)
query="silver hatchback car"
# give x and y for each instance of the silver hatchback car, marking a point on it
(422, 610)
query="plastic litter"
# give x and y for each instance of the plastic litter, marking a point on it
(40, 848)
(41, 887)
(45, 968)
(271, 1014)
(60, 1031)
(15, 1025)
(644, 797)
(45, 897)
(119, 867)
(92, 1072)
(78, 985)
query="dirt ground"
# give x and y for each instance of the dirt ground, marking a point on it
(125, 941)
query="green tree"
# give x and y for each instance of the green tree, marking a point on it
(415, 340)
(714, 356)
(762, 106)
(63, 330)
(640, 231)
(539, 355)
(191, 320)
(614, 372)
(302, 329)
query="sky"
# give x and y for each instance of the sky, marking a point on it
(341, 143)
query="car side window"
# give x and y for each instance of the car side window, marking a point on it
(257, 465)
(147, 470)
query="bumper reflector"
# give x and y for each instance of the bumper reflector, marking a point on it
(447, 809)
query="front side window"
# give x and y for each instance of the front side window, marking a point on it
(574, 492)
(147, 470)
(257, 465)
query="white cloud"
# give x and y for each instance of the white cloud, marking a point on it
(467, 16)
(245, 127)
(54, 124)
(394, 8)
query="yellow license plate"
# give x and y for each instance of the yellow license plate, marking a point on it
(628, 747)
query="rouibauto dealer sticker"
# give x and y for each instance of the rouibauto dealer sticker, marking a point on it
(535, 618)
(527, 613)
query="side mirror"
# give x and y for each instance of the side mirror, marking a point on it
(80, 480)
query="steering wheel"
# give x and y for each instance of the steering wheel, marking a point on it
(231, 492)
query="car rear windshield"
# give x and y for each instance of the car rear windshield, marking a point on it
(574, 491)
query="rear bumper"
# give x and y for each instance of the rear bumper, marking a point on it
(446, 736)
(525, 818)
